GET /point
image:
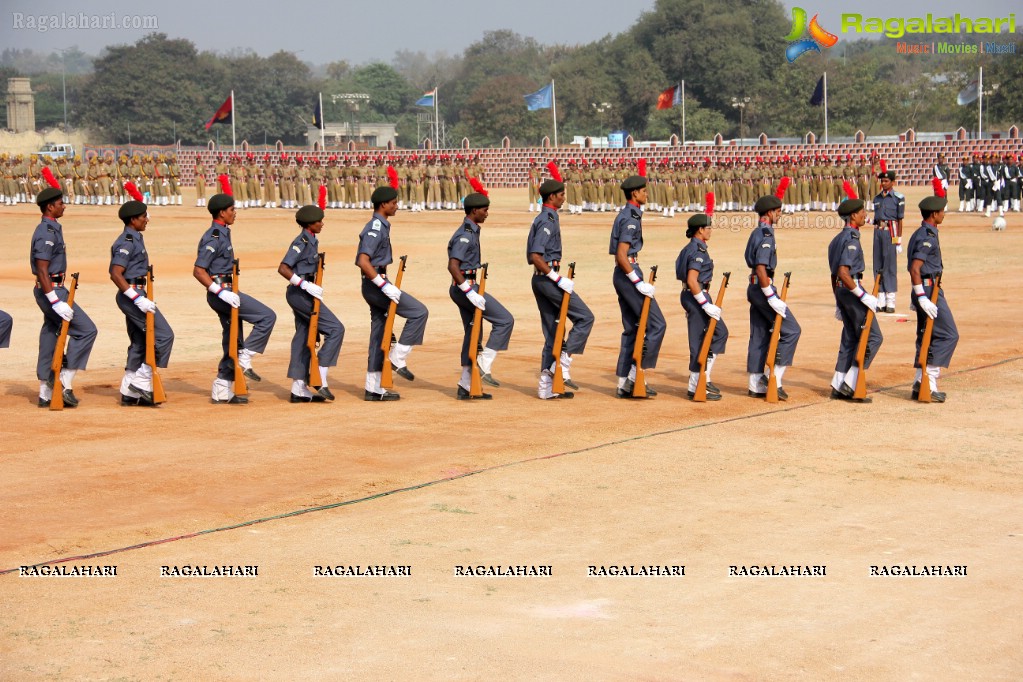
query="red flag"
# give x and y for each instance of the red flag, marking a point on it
(669, 98)
(224, 113)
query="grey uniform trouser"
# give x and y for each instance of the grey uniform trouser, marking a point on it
(761, 322)
(327, 326)
(548, 299)
(854, 314)
(698, 320)
(252, 311)
(630, 301)
(81, 335)
(885, 260)
(135, 321)
(6, 324)
(944, 336)
(414, 312)
(496, 314)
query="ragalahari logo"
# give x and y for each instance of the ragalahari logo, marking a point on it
(818, 36)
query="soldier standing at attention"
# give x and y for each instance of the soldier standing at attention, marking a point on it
(627, 278)
(299, 267)
(129, 267)
(925, 268)
(464, 260)
(48, 260)
(372, 258)
(889, 210)
(846, 262)
(213, 266)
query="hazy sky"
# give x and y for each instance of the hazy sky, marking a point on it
(361, 32)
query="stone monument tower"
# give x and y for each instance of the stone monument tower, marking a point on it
(21, 105)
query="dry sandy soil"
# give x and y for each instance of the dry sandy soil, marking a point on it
(514, 481)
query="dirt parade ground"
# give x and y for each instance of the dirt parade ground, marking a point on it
(514, 538)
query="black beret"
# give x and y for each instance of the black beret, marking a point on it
(849, 206)
(381, 195)
(633, 182)
(766, 203)
(309, 214)
(890, 175)
(219, 202)
(933, 204)
(131, 209)
(47, 195)
(550, 187)
(477, 200)
(696, 222)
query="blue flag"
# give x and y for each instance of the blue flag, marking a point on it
(318, 115)
(818, 94)
(541, 99)
(427, 99)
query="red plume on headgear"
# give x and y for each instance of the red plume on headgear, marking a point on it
(322, 198)
(709, 200)
(850, 191)
(225, 183)
(641, 165)
(552, 168)
(884, 166)
(939, 190)
(392, 177)
(782, 187)
(131, 189)
(477, 186)
(50, 180)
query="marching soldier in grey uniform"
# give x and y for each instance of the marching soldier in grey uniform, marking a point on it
(372, 258)
(543, 252)
(925, 267)
(6, 325)
(762, 259)
(129, 265)
(695, 267)
(464, 260)
(213, 270)
(625, 244)
(48, 260)
(299, 267)
(889, 210)
(845, 259)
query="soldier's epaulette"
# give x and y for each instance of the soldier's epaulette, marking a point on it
(215, 234)
(128, 237)
(636, 214)
(305, 240)
(900, 195)
(701, 247)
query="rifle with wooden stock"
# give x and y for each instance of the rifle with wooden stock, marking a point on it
(313, 377)
(386, 377)
(639, 386)
(159, 395)
(57, 399)
(475, 382)
(559, 338)
(700, 394)
(772, 348)
(240, 387)
(924, 396)
(860, 390)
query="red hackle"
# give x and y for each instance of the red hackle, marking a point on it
(709, 201)
(477, 186)
(884, 166)
(850, 191)
(50, 180)
(641, 166)
(225, 183)
(131, 189)
(783, 186)
(321, 199)
(552, 168)
(939, 189)
(392, 177)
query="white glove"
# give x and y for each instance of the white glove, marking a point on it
(230, 298)
(712, 310)
(776, 303)
(390, 291)
(566, 285)
(60, 307)
(969, 184)
(868, 300)
(477, 300)
(930, 310)
(144, 304)
(645, 288)
(898, 248)
(312, 289)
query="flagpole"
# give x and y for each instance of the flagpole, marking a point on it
(436, 117)
(683, 113)
(825, 107)
(554, 110)
(980, 105)
(234, 115)
(322, 134)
